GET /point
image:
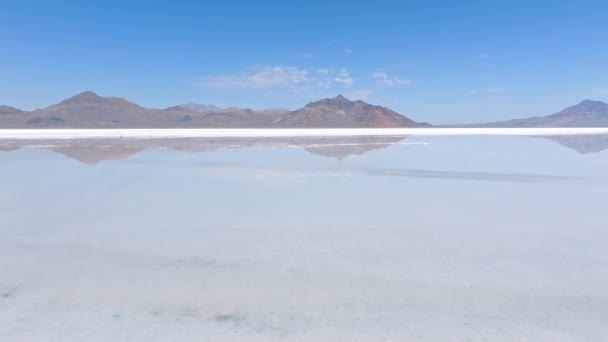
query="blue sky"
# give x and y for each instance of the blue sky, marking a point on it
(435, 61)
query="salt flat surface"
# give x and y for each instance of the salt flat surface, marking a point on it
(292, 132)
(442, 239)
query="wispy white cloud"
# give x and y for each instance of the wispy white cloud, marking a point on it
(344, 78)
(286, 77)
(603, 91)
(306, 55)
(304, 82)
(386, 81)
(264, 77)
(349, 51)
(483, 56)
(487, 90)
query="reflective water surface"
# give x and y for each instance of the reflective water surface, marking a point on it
(307, 239)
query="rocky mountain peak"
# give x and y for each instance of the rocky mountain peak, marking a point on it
(86, 94)
(340, 98)
(589, 106)
(338, 102)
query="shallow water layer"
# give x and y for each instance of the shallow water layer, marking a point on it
(385, 238)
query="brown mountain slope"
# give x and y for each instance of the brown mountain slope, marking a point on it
(344, 113)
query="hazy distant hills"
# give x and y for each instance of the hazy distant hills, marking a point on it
(89, 110)
(585, 114)
(179, 116)
(6, 110)
(193, 105)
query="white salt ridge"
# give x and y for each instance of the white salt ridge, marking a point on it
(290, 132)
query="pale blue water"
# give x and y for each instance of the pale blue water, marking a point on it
(430, 239)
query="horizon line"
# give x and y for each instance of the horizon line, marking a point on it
(151, 133)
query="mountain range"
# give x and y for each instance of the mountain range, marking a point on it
(89, 110)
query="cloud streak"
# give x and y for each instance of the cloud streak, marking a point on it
(344, 78)
(279, 77)
(303, 82)
(261, 78)
(383, 80)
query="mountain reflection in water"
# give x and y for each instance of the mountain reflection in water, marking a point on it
(95, 151)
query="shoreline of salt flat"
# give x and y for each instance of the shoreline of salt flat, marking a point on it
(289, 132)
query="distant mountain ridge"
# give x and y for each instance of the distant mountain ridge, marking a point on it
(192, 105)
(89, 110)
(6, 110)
(588, 113)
